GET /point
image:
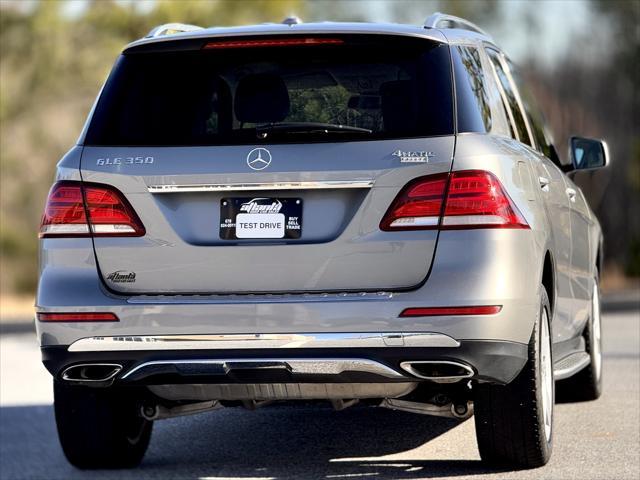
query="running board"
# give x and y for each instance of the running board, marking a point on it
(570, 365)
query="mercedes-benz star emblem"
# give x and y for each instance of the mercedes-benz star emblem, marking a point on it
(259, 158)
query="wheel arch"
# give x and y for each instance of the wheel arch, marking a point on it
(599, 257)
(549, 278)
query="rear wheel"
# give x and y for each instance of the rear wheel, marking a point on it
(587, 383)
(100, 427)
(514, 422)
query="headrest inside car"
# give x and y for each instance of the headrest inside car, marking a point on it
(261, 98)
(398, 110)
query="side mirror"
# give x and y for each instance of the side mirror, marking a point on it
(588, 153)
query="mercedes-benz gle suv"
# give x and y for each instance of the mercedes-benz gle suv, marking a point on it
(345, 212)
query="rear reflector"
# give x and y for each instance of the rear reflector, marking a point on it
(70, 203)
(444, 311)
(461, 200)
(274, 42)
(77, 317)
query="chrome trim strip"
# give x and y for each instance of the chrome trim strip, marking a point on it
(233, 298)
(239, 187)
(304, 366)
(262, 341)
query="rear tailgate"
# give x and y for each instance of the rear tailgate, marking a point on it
(341, 246)
(256, 168)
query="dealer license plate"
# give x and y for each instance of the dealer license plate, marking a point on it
(260, 218)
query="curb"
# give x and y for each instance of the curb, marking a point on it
(620, 305)
(8, 327)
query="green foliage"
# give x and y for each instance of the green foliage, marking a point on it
(51, 68)
(324, 104)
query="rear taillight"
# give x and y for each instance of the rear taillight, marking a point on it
(71, 203)
(460, 200)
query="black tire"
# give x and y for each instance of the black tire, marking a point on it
(586, 385)
(510, 423)
(100, 427)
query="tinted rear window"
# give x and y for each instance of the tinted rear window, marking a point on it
(387, 87)
(480, 108)
(509, 90)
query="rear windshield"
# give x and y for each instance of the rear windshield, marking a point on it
(223, 93)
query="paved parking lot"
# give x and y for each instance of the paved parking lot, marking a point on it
(596, 440)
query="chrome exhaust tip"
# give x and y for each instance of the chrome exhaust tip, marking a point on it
(439, 371)
(92, 373)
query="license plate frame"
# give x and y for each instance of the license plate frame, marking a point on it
(265, 213)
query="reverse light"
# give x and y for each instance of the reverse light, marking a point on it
(460, 200)
(273, 42)
(78, 317)
(74, 209)
(435, 311)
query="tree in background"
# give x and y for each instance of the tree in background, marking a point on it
(599, 97)
(52, 65)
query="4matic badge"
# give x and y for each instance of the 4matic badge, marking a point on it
(413, 157)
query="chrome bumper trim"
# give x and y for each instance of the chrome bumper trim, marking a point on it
(240, 187)
(226, 299)
(299, 366)
(262, 341)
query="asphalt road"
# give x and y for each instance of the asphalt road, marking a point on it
(595, 440)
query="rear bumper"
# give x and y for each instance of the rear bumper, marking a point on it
(465, 272)
(491, 361)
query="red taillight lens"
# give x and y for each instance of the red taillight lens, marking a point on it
(418, 206)
(77, 317)
(109, 213)
(274, 42)
(435, 311)
(474, 199)
(64, 214)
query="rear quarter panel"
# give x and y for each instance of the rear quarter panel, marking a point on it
(511, 162)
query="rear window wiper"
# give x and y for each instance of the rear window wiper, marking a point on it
(262, 131)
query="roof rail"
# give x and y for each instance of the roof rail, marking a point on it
(171, 28)
(292, 20)
(442, 20)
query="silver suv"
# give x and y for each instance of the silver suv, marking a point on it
(336, 211)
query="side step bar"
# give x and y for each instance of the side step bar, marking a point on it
(570, 365)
